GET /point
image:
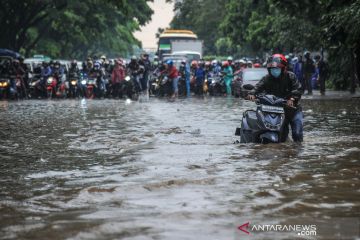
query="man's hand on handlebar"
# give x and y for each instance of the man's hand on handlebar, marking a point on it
(250, 97)
(290, 102)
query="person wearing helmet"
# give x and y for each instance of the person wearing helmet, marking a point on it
(216, 68)
(15, 72)
(117, 79)
(249, 64)
(173, 75)
(26, 69)
(98, 73)
(134, 70)
(199, 74)
(146, 64)
(228, 76)
(103, 61)
(243, 64)
(74, 71)
(309, 70)
(299, 70)
(45, 72)
(283, 84)
(185, 74)
(231, 63)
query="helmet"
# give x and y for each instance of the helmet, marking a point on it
(277, 60)
(97, 65)
(120, 61)
(74, 63)
(257, 65)
(169, 62)
(306, 54)
(214, 62)
(242, 61)
(207, 63)
(133, 58)
(225, 64)
(194, 63)
(103, 57)
(229, 58)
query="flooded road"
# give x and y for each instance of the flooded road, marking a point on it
(112, 169)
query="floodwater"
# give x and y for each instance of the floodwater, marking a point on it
(114, 169)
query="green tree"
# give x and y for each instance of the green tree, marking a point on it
(64, 28)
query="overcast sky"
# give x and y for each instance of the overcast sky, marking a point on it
(163, 14)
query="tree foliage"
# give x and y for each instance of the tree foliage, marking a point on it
(65, 28)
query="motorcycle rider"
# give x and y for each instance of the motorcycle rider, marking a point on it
(17, 72)
(216, 68)
(73, 70)
(117, 78)
(26, 72)
(199, 78)
(45, 72)
(98, 73)
(230, 61)
(283, 84)
(228, 76)
(185, 73)
(173, 75)
(146, 65)
(134, 70)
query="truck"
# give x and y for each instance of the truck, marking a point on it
(192, 49)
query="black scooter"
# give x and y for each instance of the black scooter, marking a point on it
(265, 125)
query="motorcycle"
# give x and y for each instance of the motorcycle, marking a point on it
(216, 86)
(77, 86)
(51, 84)
(266, 124)
(4, 88)
(182, 86)
(90, 88)
(36, 89)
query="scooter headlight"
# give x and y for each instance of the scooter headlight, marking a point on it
(83, 82)
(127, 78)
(50, 80)
(73, 82)
(33, 84)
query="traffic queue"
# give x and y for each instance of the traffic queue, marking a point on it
(119, 78)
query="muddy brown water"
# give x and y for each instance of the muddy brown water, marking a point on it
(112, 169)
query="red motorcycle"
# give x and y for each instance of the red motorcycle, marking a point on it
(51, 84)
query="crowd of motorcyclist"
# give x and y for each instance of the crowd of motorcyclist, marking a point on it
(116, 78)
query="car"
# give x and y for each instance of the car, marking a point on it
(246, 76)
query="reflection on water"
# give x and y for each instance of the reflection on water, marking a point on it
(168, 170)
